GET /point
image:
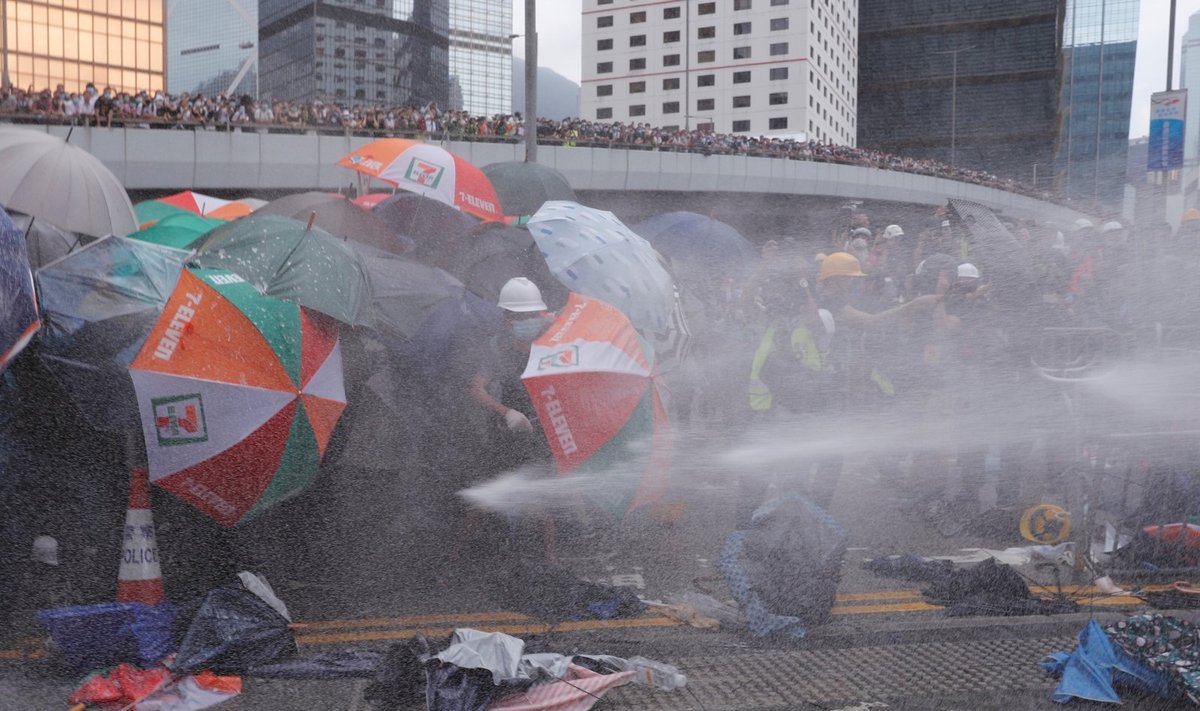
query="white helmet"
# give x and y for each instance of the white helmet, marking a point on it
(520, 295)
(966, 270)
(1081, 224)
(893, 231)
(1111, 226)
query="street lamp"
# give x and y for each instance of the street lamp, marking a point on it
(531, 72)
(954, 100)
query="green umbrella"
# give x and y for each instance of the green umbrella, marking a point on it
(292, 261)
(179, 230)
(150, 211)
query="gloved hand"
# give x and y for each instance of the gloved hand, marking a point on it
(517, 422)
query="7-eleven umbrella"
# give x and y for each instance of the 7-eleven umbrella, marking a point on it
(238, 394)
(590, 378)
(428, 170)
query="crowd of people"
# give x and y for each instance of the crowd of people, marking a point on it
(221, 112)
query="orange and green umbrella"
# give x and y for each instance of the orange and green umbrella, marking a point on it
(238, 394)
(178, 230)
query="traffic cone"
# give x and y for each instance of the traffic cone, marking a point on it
(140, 579)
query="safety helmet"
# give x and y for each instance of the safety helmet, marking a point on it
(520, 295)
(860, 232)
(893, 231)
(1191, 214)
(966, 270)
(1081, 224)
(840, 264)
(1111, 226)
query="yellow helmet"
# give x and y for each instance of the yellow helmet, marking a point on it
(840, 264)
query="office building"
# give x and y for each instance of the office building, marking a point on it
(481, 56)
(962, 82)
(1099, 49)
(1189, 78)
(117, 43)
(212, 47)
(383, 53)
(759, 67)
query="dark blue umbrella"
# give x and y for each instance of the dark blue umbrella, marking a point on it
(698, 245)
(18, 299)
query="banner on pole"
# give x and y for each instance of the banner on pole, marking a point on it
(1167, 110)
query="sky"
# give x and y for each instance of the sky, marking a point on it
(559, 46)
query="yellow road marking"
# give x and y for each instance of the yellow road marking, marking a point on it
(413, 620)
(535, 628)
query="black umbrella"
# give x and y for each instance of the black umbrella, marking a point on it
(523, 187)
(426, 221)
(233, 631)
(44, 242)
(339, 217)
(493, 254)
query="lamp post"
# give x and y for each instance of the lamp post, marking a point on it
(4, 83)
(954, 100)
(531, 74)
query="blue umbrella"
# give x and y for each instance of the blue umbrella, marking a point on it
(698, 245)
(18, 299)
(100, 304)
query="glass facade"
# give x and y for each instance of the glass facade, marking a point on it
(212, 46)
(1099, 50)
(117, 43)
(481, 56)
(997, 104)
(381, 52)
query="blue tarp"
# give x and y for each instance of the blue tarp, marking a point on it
(1096, 667)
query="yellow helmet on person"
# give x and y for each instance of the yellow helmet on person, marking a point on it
(840, 264)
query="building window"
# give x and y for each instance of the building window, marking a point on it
(637, 87)
(741, 28)
(603, 67)
(637, 17)
(637, 63)
(604, 113)
(637, 110)
(741, 102)
(741, 77)
(706, 56)
(604, 44)
(706, 32)
(670, 83)
(670, 13)
(670, 60)
(672, 36)
(741, 4)
(779, 23)
(741, 126)
(779, 73)
(604, 89)
(777, 124)
(670, 107)
(598, 2)
(706, 8)
(777, 3)
(706, 104)
(779, 48)
(637, 40)
(741, 52)
(604, 21)
(778, 98)
(706, 80)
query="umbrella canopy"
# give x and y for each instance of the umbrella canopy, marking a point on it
(428, 170)
(592, 252)
(99, 305)
(236, 208)
(486, 260)
(590, 378)
(18, 300)
(238, 394)
(289, 260)
(44, 242)
(698, 245)
(339, 217)
(523, 187)
(180, 230)
(51, 180)
(233, 631)
(429, 224)
(370, 200)
(193, 202)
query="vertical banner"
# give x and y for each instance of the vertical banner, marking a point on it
(1167, 110)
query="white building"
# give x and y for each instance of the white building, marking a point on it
(1189, 78)
(759, 67)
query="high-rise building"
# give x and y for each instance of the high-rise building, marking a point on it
(117, 43)
(1189, 78)
(481, 56)
(1099, 48)
(212, 46)
(963, 82)
(760, 67)
(383, 53)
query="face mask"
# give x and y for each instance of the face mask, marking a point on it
(527, 329)
(108, 94)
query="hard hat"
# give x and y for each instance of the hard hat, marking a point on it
(860, 232)
(966, 270)
(1082, 223)
(840, 264)
(45, 550)
(1191, 214)
(1111, 226)
(893, 231)
(520, 295)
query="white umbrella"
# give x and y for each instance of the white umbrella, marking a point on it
(594, 253)
(44, 176)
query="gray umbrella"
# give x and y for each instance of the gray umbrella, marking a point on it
(524, 187)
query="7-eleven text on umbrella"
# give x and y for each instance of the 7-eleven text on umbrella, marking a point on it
(183, 316)
(562, 430)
